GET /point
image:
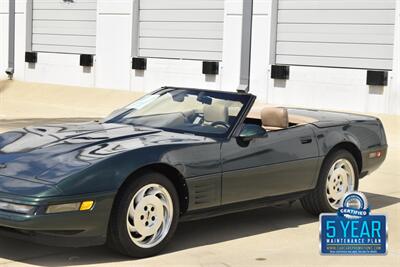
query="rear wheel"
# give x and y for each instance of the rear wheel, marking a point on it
(338, 175)
(144, 217)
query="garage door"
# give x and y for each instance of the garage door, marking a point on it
(185, 29)
(62, 26)
(336, 33)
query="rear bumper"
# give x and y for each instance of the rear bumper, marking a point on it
(369, 165)
(68, 229)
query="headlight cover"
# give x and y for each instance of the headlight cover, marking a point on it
(63, 208)
(17, 208)
(67, 207)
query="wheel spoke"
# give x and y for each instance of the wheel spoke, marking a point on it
(345, 183)
(154, 237)
(131, 211)
(333, 195)
(131, 228)
(328, 193)
(330, 173)
(335, 202)
(141, 238)
(154, 191)
(340, 165)
(140, 195)
(164, 203)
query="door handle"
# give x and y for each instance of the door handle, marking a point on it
(305, 140)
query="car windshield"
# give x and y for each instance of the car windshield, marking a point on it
(208, 113)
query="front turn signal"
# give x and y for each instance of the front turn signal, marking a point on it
(86, 205)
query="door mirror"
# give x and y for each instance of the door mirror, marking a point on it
(251, 131)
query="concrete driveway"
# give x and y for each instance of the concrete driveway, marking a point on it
(276, 236)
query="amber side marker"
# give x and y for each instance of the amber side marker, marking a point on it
(86, 205)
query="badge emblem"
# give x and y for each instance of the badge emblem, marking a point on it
(353, 230)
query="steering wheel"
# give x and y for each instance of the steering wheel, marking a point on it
(220, 123)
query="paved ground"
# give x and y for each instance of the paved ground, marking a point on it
(284, 236)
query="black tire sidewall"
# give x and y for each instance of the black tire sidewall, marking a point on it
(118, 226)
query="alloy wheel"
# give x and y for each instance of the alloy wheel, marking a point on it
(340, 180)
(149, 215)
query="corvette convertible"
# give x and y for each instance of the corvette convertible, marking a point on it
(177, 154)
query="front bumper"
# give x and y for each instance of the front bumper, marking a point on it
(67, 229)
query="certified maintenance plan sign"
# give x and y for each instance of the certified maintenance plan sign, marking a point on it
(353, 231)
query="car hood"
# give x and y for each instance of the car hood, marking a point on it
(30, 153)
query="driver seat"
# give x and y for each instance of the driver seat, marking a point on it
(274, 118)
(213, 113)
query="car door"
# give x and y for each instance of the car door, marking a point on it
(282, 162)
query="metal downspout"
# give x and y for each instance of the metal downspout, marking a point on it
(11, 39)
(247, 26)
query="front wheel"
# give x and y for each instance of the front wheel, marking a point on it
(144, 217)
(338, 175)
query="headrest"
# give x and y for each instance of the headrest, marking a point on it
(215, 113)
(275, 117)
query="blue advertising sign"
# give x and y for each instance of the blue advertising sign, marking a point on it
(353, 230)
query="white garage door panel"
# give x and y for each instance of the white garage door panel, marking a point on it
(76, 15)
(372, 34)
(362, 63)
(64, 27)
(181, 44)
(336, 33)
(339, 38)
(337, 16)
(59, 4)
(182, 15)
(196, 55)
(181, 4)
(335, 50)
(336, 4)
(184, 29)
(51, 39)
(62, 49)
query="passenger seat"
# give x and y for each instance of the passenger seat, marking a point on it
(274, 118)
(213, 113)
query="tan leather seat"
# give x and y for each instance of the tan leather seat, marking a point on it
(214, 113)
(274, 118)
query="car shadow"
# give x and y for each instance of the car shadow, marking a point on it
(189, 235)
(377, 201)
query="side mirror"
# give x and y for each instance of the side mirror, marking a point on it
(251, 131)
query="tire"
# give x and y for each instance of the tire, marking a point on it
(153, 220)
(324, 197)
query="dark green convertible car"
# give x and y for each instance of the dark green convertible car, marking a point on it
(177, 154)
